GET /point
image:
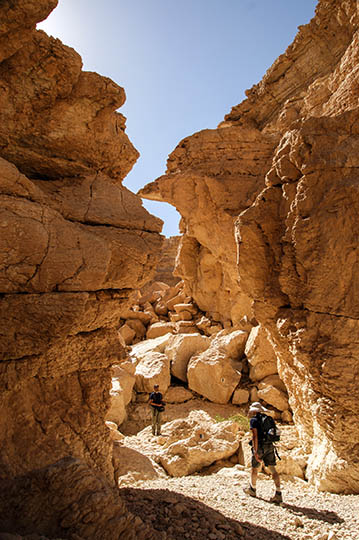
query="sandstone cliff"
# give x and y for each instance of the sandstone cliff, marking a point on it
(74, 243)
(167, 260)
(269, 211)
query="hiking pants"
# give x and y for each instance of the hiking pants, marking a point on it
(156, 421)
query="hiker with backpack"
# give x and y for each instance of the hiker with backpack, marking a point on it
(157, 407)
(264, 434)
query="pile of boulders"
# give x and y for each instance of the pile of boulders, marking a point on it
(170, 342)
(160, 309)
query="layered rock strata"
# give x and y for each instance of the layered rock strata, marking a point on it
(269, 210)
(74, 243)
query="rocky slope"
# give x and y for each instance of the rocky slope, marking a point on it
(269, 211)
(74, 243)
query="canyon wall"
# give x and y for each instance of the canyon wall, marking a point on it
(74, 243)
(269, 212)
(167, 261)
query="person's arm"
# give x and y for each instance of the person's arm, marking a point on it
(255, 443)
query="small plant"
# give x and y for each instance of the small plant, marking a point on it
(238, 418)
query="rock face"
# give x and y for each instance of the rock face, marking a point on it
(211, 177)
(74, 243)
(73, 501)
(269, 208)
(167, 260)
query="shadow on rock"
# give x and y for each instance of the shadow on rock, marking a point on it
(182, 517)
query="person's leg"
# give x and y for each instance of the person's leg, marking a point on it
(153, 410)
(159, 416)
(254, 476)
(269, 460)
(276, 479)
(277, 498)
(251, 489)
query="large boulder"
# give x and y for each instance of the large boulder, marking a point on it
(216, 372)
(131, 465)
(196, 442)
(154, 368)
(140, 350)
(121, 394)
(181, 348)
(260, 355)
(274, 397)
(213, 375)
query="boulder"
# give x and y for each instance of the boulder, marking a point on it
(160, 308)
(144, 316)
(140, 350)
(240, 397)
(204, 324)
(177, 394)
(181, 348)
(123, 378)
(273, 380)
(114, 433)
(131, 465)
(153, 368)
(262, 370)
(258, 348)
(196, 442)
(184, 315)
(179, 299)
(126, 334)
(253, 394)
(121, 394)
(213, 375)
(159, 329)
(179, 308)
(186, 327)
(231, 341)
(138, 326)
(274, 397)
(91, 506)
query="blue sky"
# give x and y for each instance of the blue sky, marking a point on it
(183, 64)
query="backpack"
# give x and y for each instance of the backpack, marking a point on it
(269, 430)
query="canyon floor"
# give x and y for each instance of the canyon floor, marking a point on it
(215, 507)
(212, 505)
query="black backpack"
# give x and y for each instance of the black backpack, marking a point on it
(269, 430)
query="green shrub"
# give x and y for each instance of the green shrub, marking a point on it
(238, 418)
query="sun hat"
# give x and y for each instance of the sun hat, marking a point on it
(258, 407)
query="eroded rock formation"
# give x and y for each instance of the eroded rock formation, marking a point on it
(74, 243)
(269, 212)
(166, 263)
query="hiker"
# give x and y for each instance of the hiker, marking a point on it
(157, 407)
(264, 433)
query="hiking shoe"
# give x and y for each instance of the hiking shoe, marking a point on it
(250, 491)
(277, 498)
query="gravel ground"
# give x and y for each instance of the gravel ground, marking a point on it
(215, 507)
(212, 506)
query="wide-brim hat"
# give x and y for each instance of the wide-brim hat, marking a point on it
(258, 407)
